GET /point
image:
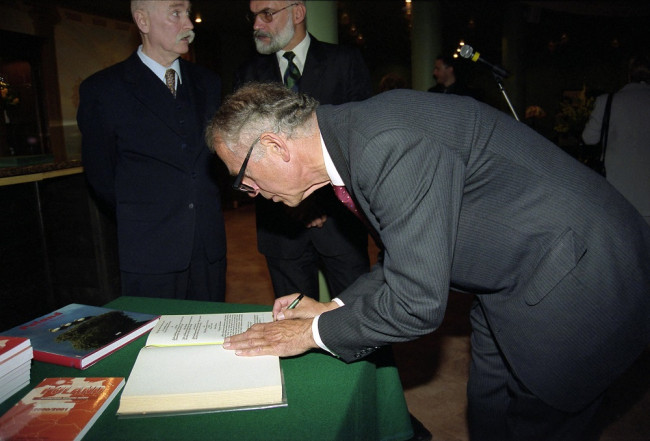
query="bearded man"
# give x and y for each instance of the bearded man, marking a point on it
(144, 156)
(320, 234)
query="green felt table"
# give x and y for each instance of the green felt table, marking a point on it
(327, 398)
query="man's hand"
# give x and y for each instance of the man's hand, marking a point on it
(283, 338)
(318, 222)
(307, 308)
(289, 335)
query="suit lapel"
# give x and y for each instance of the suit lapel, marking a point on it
(315, 66)
(329, 130)
(269, 69)
(150, 91)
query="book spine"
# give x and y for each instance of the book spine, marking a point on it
(61, 360)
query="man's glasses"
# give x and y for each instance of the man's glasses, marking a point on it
(265, 14)
(238, 184)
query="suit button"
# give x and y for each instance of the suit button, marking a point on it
(191, 206)
(183, 146)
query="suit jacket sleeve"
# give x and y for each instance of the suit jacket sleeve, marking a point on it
(407, 295)
(98, 142)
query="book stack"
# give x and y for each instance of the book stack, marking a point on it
(15, 365)
(81, 335)
(61, 408)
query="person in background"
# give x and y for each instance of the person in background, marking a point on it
(447, 79)
(463, 197)
(392, 81)
(627, 158)
(320, 233)
(145, 157)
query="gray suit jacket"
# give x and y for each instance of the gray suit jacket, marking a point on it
(464, 196)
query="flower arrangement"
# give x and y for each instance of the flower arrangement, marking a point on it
(535, 112)
(574, 112)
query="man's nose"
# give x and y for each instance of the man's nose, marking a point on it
(188, 23)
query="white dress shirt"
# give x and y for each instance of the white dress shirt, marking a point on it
(299, 60)
(159, 69)
(335, 179)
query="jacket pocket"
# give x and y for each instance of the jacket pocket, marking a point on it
(561, 258)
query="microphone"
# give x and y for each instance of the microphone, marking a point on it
(468, 52)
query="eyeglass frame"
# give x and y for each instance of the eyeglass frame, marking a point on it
(237, 183)
(265, 15)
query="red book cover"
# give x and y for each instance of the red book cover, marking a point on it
(80, 335)
(10, 346)
(59, 409)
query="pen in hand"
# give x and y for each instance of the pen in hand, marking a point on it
(295, 302)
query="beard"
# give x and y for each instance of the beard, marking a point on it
(276, 42)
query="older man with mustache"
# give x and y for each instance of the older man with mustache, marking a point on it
(145, 159)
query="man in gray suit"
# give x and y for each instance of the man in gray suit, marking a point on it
(462, 196)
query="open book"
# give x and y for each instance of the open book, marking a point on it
(184, 369)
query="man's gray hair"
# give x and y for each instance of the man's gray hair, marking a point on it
(256, 108)
(137, 4)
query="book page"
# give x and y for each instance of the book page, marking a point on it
(202, 329)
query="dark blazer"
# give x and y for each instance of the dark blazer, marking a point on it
(333, 74)
(465, 196)
(144, 155)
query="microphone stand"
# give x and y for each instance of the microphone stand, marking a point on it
(499, 80)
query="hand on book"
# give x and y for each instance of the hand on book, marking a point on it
(282, 338)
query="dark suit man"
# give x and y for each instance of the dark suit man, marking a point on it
(144, 155)
(448, 78)
(463, 196)
(297, 242)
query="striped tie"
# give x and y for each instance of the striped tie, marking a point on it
(170, 80)
(292, 74)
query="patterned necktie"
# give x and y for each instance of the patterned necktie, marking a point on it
(292, 74)
(170, 80)
(346, 199)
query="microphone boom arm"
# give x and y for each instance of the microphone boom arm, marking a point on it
(498, 72)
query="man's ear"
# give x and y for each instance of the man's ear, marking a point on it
(276, 144)
(299, 13)
(141, 20)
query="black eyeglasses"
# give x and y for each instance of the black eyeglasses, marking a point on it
(265, 14)
(238, 184)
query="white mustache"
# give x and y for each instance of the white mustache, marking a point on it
(189, 34)
(262, 34)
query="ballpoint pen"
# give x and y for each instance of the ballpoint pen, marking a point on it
(295, 302)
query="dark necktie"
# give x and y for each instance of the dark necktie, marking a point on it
(292, 74)
(170, 80)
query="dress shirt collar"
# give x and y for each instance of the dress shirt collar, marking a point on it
(301, 55)
(334, 175)
(158, 69)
